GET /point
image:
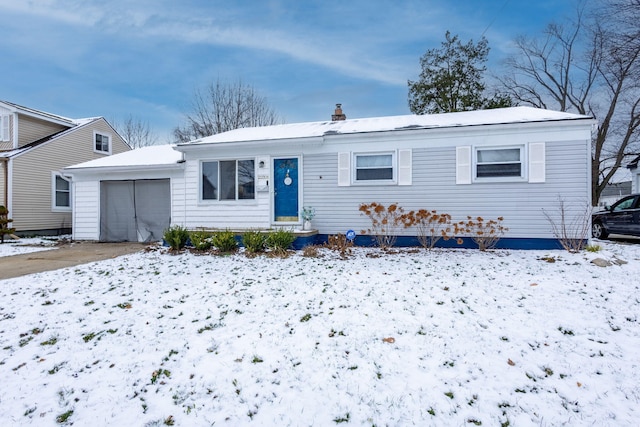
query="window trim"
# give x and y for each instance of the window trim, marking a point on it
(394, 168)
(523, 164)
(201, 199)
(5, 127)
(54, 192)
(108, 135)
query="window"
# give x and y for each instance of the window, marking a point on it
(4, 128)
(102, 143)
(61, 196)
(499, 162)
(374, 167)
(228, 180)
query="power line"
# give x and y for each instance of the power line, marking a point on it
(494, 18)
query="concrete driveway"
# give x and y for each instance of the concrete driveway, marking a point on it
(65, 255)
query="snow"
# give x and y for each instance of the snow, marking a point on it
(448, 337)
(27, 245)
(391, 123)
(153, 155)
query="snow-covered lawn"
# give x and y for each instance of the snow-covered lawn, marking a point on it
(452, 337)
(28, 245)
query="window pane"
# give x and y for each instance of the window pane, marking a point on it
(246, 179)
(373, 174)
(374, 161)
(228, 180)
(496, 156)
(499, 170)
(62, 199)
(210, 181)
(61, 184)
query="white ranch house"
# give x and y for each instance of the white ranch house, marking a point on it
(509, 163)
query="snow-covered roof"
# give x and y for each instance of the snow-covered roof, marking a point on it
(390, 123)
(151, 156)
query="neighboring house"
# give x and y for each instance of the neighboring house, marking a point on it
(34, 147)
(515, 163)
(635, 175)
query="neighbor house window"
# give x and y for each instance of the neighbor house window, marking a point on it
(61, 193)
(4, 128)
(228, 180)
(374, 167)
(102, 143)
(499, 162)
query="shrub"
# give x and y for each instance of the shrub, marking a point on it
(385, 222)
(201, 240)
(572, 232)
(339, 243)
(280, 240)
(485, 233)
(254, 241)
(310, 251)
(430, 226)
(176, 237)
(225, 241)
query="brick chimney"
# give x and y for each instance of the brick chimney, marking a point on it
(338, 115)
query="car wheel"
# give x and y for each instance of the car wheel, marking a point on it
(598, 231)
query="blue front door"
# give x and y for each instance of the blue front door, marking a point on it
(285, 198)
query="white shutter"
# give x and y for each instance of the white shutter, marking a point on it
(344, 169)
(404, 167)
(4, 128)
(463, 165)
(537, 162)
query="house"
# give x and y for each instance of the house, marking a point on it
(635, 175)
(34, 147)
(516, 163)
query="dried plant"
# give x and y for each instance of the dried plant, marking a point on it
(339, 243)
(430, 226)
(385, 222)
(572, 233)
(485, 233)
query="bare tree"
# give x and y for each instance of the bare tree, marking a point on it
(222, 107)
(589, 66)
(136, 132)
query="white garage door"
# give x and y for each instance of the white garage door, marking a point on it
(134, 210)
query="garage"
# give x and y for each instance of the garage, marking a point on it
(134, 210)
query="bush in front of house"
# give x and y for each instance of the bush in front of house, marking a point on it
(201, 240)
(176, 237)
(225, 241)
(279, 241)
(484, 232)
(254, 241)
(386, 222)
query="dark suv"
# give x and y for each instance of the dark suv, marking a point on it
(623, 217)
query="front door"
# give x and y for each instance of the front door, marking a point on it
(285, 197)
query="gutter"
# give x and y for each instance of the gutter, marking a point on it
(5, 170)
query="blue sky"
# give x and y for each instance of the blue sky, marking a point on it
(146, 58)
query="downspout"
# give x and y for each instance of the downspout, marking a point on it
(5, 172)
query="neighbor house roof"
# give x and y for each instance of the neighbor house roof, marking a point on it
(34, 144)
(43, 115)
(153, 156)
(390, 123)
